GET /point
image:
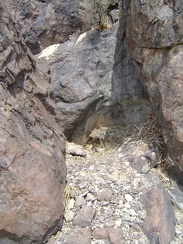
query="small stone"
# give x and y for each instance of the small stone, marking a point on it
(126, 163)
(90, 197)
(126, 217)
(145, 169)
(89, 204)
(83, 173)
(118, 222)
(75, 150)
(82, 236)
(104, 195)
(180, 235)
(84, 216)
(83, 184)
(101, 218)
(69, 215)
(132, 212)
(115, 235)
(100, 234)
(136, 183)
(128, 197)
(91, 168)
(74, 192)
(104, 203)
(80, 201)
(84, 194)
(71, 204)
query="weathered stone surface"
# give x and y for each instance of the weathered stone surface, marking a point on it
(81, 89)
(176, 196)
(160, 220)
(100, 234)
(176, 174)
(104, 195)
(81, 236)
(47, 22)
(32, 167)
(115, 235)
(84, 216)
(154, 37)
(87, 79)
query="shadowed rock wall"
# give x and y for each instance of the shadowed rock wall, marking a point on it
(154, 38)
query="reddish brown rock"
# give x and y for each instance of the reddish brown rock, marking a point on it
(100, 234)
(160, 220)
(82, 236)
(32, 165)
(84, 216)
(104, 195)
(116, 235)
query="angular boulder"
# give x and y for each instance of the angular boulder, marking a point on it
(32, 165)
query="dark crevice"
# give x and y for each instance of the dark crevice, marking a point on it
(112, 7)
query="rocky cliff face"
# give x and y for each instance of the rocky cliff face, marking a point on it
(46, 22)
(154, 39)
(32, 167)
(114, 73)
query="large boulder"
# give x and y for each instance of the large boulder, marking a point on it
(32, 165)
(85, 74)
(154, 36)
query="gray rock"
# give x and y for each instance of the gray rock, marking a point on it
(154, 41)
(80, 201)
(126, 217)
(176, 196)
(145, 169)
(75, 150)
(85, 91)
(44, 23)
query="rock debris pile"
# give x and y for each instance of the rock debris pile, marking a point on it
(107, 201)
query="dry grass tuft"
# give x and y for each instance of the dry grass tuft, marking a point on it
(146, 135)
